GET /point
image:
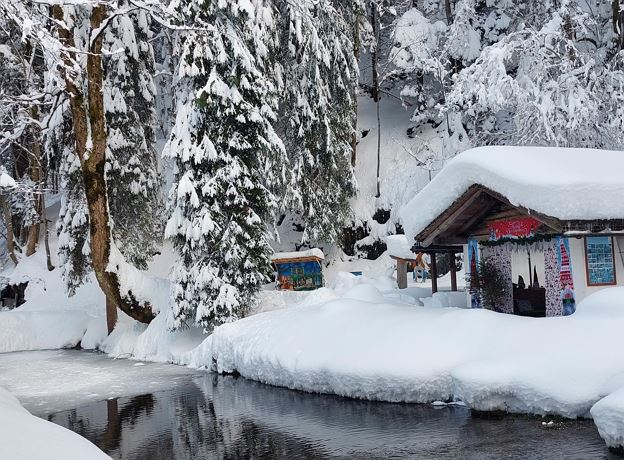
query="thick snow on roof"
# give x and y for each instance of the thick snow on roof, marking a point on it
(558, 182)
(315, 252)
(399, 246)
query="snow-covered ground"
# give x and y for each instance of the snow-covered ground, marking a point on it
(27, 437)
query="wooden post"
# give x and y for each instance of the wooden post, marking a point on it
(402, 273)
(434, 274)
(453, 272)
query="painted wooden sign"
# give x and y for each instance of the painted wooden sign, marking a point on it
(520, 227)
(301, 275)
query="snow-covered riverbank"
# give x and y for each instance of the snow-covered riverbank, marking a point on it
(363, 338)
(27, 437)
(372, 344)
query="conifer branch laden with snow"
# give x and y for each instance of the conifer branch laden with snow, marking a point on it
(227, 153)
(320, 72)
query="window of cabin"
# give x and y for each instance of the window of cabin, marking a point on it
(600, 261)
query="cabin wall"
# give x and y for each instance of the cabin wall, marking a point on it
(579, 269)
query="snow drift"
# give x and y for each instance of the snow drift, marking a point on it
(369, 344)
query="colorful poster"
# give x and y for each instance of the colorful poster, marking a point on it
(472, 273)
(520, 227)
(600, 263)
(565, 276)
(299, 276)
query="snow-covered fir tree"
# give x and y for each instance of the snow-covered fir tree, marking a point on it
(73, 222)
(134, 191)
(316, 113)
(226, 152)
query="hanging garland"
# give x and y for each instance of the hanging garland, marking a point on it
(519, 241)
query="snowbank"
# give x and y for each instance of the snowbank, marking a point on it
(155, 342)
(45, 330)
(608, 414)
(446, 299)
(26, 437)
(49, 319)
(568, 184)
(367, 343)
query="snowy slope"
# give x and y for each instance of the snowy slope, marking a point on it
(401, 177)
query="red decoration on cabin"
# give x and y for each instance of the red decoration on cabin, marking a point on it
(520, 227)
(565, 272)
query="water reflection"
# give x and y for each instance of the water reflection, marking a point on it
(228, 417)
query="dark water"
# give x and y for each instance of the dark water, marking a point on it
(227, 417)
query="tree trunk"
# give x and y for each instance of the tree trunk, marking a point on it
(375, 58)
(46, 234)
(35, 175)
(93, 164)
(617, 23)
(449, 13)
(8, 222)
(356, 51)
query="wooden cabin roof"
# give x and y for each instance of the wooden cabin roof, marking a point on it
(471, 213)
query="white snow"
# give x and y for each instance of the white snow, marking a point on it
(447, 299)
(608, 414)
(563, 183)
(314, 252)
(6, 180)
(367, 343)
(49, 319)
(398, 246)
(27, 437)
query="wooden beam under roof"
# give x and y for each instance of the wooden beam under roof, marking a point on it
(464, 203)
(457, 209)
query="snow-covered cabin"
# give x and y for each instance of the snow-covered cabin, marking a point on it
(550, 219)
(299, 271)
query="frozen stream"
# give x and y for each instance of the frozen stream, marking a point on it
(138, 410)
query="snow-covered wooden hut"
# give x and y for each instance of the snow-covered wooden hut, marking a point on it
(299, 271)
(550, 219)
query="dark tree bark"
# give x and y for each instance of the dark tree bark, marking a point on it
(617, 23)
(90, 114)
(35, 175)
(375, 89)
(356, 50)
(8, 222)
(449, 13)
